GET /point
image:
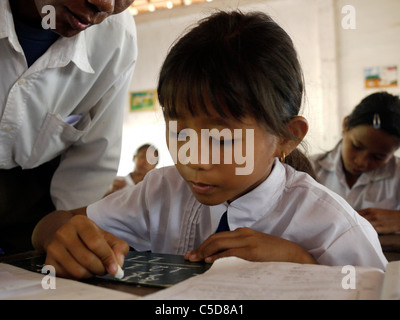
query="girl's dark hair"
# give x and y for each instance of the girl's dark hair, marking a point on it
(146, 146)
(240, 64)
(383, 105)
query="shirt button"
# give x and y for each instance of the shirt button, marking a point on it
(21, 82)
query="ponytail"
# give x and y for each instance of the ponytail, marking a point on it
(299, 161)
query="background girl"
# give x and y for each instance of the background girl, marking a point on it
(142, 166)
(362, 168)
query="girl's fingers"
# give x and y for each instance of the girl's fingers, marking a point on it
(119, 247)
(241, 252)
(83, 249)
(99, 257)
(65, 264)
(219, 242)
(250, 245)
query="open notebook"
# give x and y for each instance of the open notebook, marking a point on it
(236, 279)
(20, 284)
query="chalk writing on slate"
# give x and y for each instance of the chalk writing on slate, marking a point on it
(140, 268)
(159, 270)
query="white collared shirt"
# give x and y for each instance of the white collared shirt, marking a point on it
(129, 181)
(69, 102)
(375, 189)
(162, 215)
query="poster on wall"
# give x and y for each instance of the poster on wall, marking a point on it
(381, 77)
(143, 101)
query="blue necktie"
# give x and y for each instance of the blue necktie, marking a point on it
(223, 223)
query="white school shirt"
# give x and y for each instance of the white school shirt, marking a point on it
(162, 215)
(129, 181)
(82, 79)
(375, 189)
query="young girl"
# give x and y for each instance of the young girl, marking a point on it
(362, 167)
(142, 166)
(231, 84)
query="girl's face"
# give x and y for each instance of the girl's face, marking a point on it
(217, 181)
(142, 165)
(365, 149)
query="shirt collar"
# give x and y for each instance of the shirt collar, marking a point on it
(72, 49)
(332, 160)
(252, 206)
(7, 29)
(61, 52)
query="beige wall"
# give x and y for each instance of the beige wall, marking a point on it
(333, 60)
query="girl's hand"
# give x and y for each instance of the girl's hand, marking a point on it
(118, 184)
(383, 220)
(80, 249)
(250, 245)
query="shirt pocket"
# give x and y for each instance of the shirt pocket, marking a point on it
(54, 137)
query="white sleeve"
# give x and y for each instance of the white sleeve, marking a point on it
(367, 253)
(125, 214)
(149, 215)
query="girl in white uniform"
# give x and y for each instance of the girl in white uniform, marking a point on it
(362, 168)
(145, 160)
(231, 86)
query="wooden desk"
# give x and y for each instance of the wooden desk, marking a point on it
(129, 288)
(390, 246)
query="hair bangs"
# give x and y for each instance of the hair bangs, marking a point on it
(197, 85)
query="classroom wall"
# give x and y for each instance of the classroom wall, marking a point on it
(374, 42)
(333, 60)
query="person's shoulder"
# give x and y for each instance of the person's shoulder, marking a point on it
(397, 161)
(124, 21)
(115, 28)
(316, 158)
(113, 41)
(165, 175)
(296, 180)
(303, 186)
(325, 161)
(396, 167)
(163, 171)
(165, 183)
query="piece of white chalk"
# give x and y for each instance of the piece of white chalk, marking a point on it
(120, 273)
